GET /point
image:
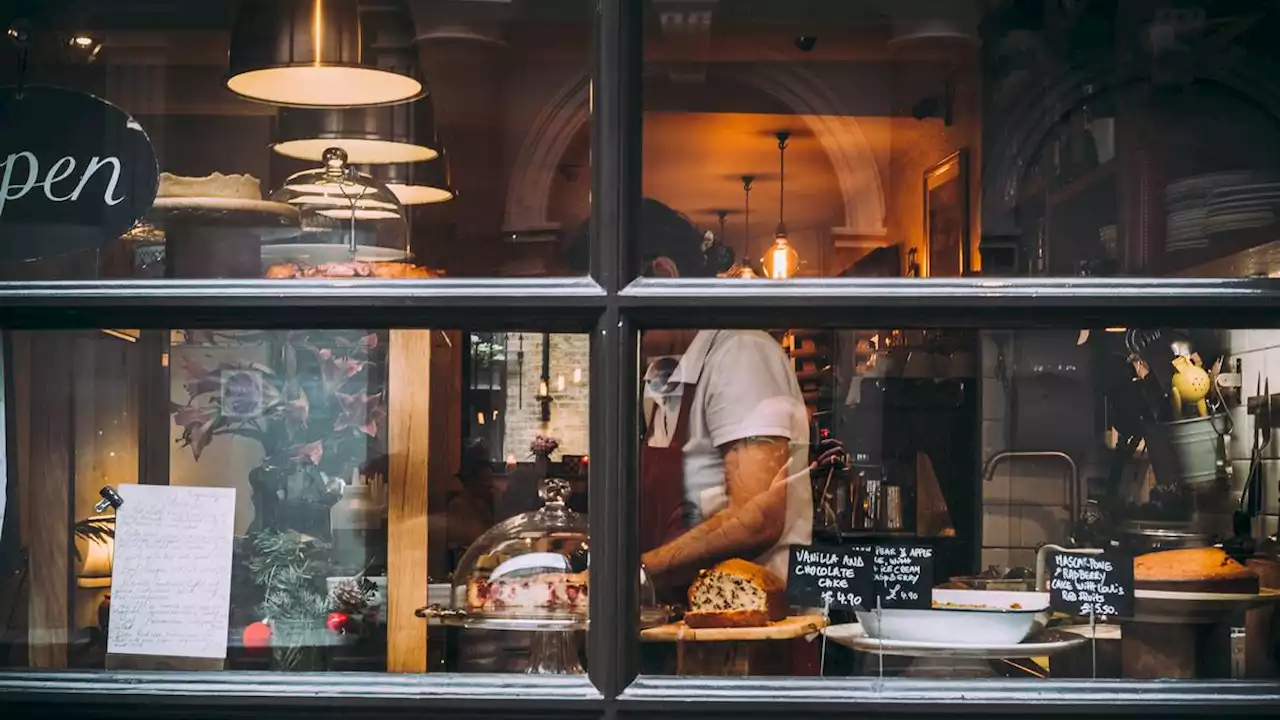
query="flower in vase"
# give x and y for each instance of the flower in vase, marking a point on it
(543, 445)
(337, 369)
(198, 423)
(362, 412)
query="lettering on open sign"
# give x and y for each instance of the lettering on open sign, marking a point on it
(76, 172)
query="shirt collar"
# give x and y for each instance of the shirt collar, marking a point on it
(690, 368)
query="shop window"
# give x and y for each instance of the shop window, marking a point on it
(294, 500)
(941, 140)
(463, 131)
(778, 469)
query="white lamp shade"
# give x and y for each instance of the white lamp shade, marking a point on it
(95, 570)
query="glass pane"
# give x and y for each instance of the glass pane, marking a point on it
(942, 139)
(463, 130)
(364, 500)
(917, 492)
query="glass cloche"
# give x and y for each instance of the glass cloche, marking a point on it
(346, 215)
(530, 567)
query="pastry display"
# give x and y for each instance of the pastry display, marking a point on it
(350, 269)
(544, 592)
(217, 185)
(1205, 569)
(736, 593)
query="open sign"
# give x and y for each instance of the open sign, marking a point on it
(75, 172)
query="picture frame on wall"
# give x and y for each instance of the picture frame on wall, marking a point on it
(946, 216)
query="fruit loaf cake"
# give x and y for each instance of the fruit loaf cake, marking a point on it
(736, 593)
(543, 593)
(1206, 569)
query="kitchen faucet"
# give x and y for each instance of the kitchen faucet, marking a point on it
(1000, 458)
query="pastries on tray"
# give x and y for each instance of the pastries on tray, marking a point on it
(535, 594)
(1206, 569)
(736, 593)
(350, 269)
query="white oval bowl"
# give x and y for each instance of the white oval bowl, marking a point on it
(988, 618)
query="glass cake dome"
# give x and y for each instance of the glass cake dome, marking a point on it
(532, 566)
(346, 215)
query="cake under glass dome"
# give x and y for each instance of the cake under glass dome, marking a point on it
(346, 215)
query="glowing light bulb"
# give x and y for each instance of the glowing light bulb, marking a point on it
(781, 260)
(542, 388)
(560, 383)
(577, 375)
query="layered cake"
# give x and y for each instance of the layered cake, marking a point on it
(736, 593)
(543, 593)
(1207, 569)
(350, 269)
(217, 185)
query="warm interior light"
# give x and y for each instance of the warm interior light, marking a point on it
(542, 389)
(324, 86)
(95, 570)
(359, 214)
(419, 194)
(340, 202)
(781, 260)
(480, 418)
(344, 190)
(359, 151)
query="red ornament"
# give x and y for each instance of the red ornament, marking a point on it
(257, 636)
(338, 622)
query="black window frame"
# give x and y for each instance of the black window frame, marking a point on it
(614, 308)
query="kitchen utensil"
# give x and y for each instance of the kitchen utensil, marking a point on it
(961, 617)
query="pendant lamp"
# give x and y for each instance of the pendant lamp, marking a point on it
(370, 136)
(421, 183)
(781, 261)
(310, 53)
(744, 271)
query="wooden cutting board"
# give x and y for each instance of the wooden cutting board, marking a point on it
(785, 629)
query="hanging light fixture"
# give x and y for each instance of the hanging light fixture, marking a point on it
(744, 271)
(781, 261)
(310, 53)
(369, 135)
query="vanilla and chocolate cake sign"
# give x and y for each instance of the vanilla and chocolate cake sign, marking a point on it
(861, 576)
(75, 172)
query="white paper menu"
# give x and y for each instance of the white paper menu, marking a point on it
(171, 574)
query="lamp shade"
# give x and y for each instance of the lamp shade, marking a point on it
(418, 183)
(95, 569)
(371, 136)
(310, 53)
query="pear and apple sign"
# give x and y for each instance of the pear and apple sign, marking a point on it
(76, 172)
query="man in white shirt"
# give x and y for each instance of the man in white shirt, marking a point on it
(741, 430)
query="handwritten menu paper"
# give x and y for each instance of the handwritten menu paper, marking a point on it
(822, 577)
(904, 575)
(171, 575)
(1101, 585)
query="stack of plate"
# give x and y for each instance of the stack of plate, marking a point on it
(1205, 205)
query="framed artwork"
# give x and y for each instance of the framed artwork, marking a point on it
(946, 217)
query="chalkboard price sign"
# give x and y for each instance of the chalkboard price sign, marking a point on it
(904, 575)
(836, 577)
(1099, 585)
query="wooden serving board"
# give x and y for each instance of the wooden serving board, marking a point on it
(785, 629)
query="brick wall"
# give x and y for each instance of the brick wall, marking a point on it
(568, 410)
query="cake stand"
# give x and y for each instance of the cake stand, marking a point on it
(220, 237)
(1184, 635)
(934, 659)
(731, 651)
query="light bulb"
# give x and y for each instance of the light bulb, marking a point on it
(781, 260)
(577, 375)
(560, 383)
(542, 389)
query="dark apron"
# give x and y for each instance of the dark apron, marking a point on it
(664, 513)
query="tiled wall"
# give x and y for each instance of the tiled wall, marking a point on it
(1259, 353)
(1024, 504)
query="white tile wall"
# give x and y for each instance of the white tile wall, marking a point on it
(1259, 353)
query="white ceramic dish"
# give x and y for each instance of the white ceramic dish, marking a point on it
(853, 636)
(977, 617)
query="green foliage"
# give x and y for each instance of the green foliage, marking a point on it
(290, 567)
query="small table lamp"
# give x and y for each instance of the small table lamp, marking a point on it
(95, 570)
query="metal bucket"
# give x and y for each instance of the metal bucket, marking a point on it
(1186, 451)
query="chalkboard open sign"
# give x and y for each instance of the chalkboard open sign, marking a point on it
(903, 575)
(1099, 585)
(829, 577)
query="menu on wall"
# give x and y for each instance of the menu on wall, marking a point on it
(171, 574)
(829, 577)
(1099, 585)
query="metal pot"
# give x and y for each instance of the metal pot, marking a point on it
(1145, 538)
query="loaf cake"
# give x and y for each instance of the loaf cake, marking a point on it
(217, 185)
(542, 593)
(1206, 569)
(736, 593)
(351, 269)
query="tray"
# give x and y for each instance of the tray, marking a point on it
(1166, 606)
(785, 629)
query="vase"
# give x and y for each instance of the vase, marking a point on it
(298, 645)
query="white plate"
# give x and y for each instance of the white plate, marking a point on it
(852, 635)
(317, 253)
